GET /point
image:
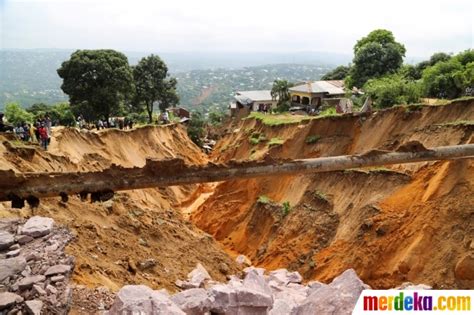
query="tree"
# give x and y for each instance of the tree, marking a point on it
(450, 78)
(434, 59)
(338, 73)
(391, 90)
(375, 55)
(152, 85)
(15, 114)
(97, 82)
(280, 90)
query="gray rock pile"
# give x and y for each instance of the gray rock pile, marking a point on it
(34, 270)
(278, 292)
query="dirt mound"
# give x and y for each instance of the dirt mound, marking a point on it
(408, 222)
(138, 236)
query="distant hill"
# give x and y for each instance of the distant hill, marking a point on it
(29, 76)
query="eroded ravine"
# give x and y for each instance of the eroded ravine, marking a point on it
(411, 222)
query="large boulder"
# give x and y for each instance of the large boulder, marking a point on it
(37, 226)
(27, 282)
(140, 299)
(339, 297)
(283, 277)
(11, 266)
(8, 299)
(193, 301)
(57, 269)
(6, 240)
(34, 307)
(282, 307)
(198, 276)
(464, 269)
(254, 280)
(238, 299)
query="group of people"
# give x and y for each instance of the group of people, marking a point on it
(112, 122)
(39, 132)
(115, 122)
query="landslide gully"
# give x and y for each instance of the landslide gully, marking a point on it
(136, 237)
(412, 222)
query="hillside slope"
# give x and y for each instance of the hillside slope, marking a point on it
(138, 236)
(410, 222)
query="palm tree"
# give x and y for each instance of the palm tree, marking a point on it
(280, 89)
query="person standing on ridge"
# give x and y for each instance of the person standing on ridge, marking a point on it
(43, 136)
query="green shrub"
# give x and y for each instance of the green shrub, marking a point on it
(320, 195)
(256, 137)
(392, 90)
(286, 208)
(264, 200)
(312, 139)
(15, 114)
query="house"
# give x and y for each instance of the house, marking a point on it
(179, 112)
(254, 100)
(311, 94)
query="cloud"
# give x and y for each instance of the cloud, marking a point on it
(244, 25)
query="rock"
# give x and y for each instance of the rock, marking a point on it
(282, 307)
(28, 282)
(283, 277)
(13, 253)
(239, 300)
(6, 240)
(411, 286)
(260, 271)
(140, 299)
(24, 239)
(31, 256)
(224, 268)
(51, 289)
(194, 301)
(8, 299)
(149, 263)
(339, 297)
(243, 260)
(57, 269)
(11, 266)
(37, 226)
(38, 289)
(464, 269)
(34, 307)
(57, 278)
(14, 247)
(198, 276)
(255, 281)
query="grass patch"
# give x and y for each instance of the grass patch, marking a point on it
(320, 195)
(312, 139)
(264, 200)
(256, 137)
(277, 120)
(329, 112)
(275, 142)
(286, 208)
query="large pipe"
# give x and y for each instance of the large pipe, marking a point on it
(175, 172)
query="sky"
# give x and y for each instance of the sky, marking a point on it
(424, 27)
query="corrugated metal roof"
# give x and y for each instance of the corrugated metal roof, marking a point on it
(328, 87)
(247, 97)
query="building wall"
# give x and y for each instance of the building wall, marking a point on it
(255, 105)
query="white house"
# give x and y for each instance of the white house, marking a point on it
(255, 100)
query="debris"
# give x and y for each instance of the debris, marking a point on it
(37, 226)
